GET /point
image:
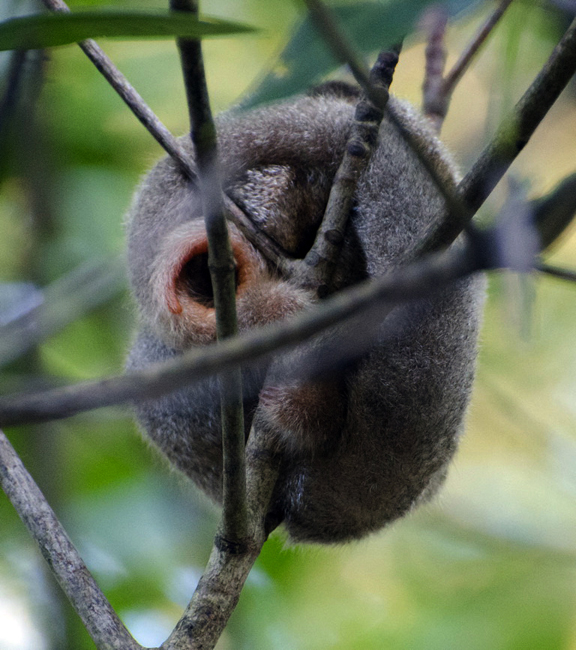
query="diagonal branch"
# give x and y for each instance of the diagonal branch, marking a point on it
(554, 212)
(557, 272)
(99, 618)
(317, 268)
(222, 268)
(510, 139)
(330, 30)
(398, 286)
(515, 132)
(437, 90)
(129, 94)
(166, 140)
(460, 67)
(334, 36)
(63, 302)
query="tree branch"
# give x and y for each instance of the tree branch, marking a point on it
(129, 94)
(434, 104)
(330, 30)
(557, 272)
(554, 212)
(219, 588)
(98, 617)
(514, 133)
(317, 268)
(63, 302)
(9, 99)
(222, 268)
(412, 281)
(166, 140)
(343, 50)
(455, 74)
(511, 137)
(437, 90)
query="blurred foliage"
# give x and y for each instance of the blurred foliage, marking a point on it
(490, 564)
(370, 26)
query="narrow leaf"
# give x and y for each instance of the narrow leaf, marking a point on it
(370, 26)
(48, 30)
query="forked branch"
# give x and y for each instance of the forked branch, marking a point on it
(166, 140)
(95, 611)
(437, 88)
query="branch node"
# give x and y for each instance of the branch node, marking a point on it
(230, 547)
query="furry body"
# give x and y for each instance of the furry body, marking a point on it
(360, 448)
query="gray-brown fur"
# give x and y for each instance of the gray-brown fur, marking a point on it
(360, 447)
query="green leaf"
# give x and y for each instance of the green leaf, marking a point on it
(48, 30)
(369, 26)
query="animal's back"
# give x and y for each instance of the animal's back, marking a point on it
(363, 447)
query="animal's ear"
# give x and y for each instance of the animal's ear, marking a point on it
(182, 287)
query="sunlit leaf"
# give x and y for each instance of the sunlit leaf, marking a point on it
(369, 26)
(38, 31)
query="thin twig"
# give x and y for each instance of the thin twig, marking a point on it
(511, 137)
(516, 130)
(330, 30)
(222, 268)
(63, 302)
(434, 102)
(13, 84)
(438, 91)
(223, 579)
(334, 36)
(130, 96)
(412, 281)
(557, 272)
(554, 212)
(455, 74)
(166, 140)
(317, 268)
(98, 617)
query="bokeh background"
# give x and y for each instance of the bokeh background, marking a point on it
(489, 565)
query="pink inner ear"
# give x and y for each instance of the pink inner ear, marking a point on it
(185, 251)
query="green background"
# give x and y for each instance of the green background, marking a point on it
(489, 565)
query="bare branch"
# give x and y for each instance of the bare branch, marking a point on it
(228, 567)
(328, 27)
(63, 302)
(128, 93)
(99, 618)
(454, 76)
(317, 268)
(412, 281)
(166, 140)
(438, 91)
(335, 38)
(222, 268)
(435, 105)
(554, 212)
(13, 84)
(557, 272)
(515, 132)
(512, 136)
